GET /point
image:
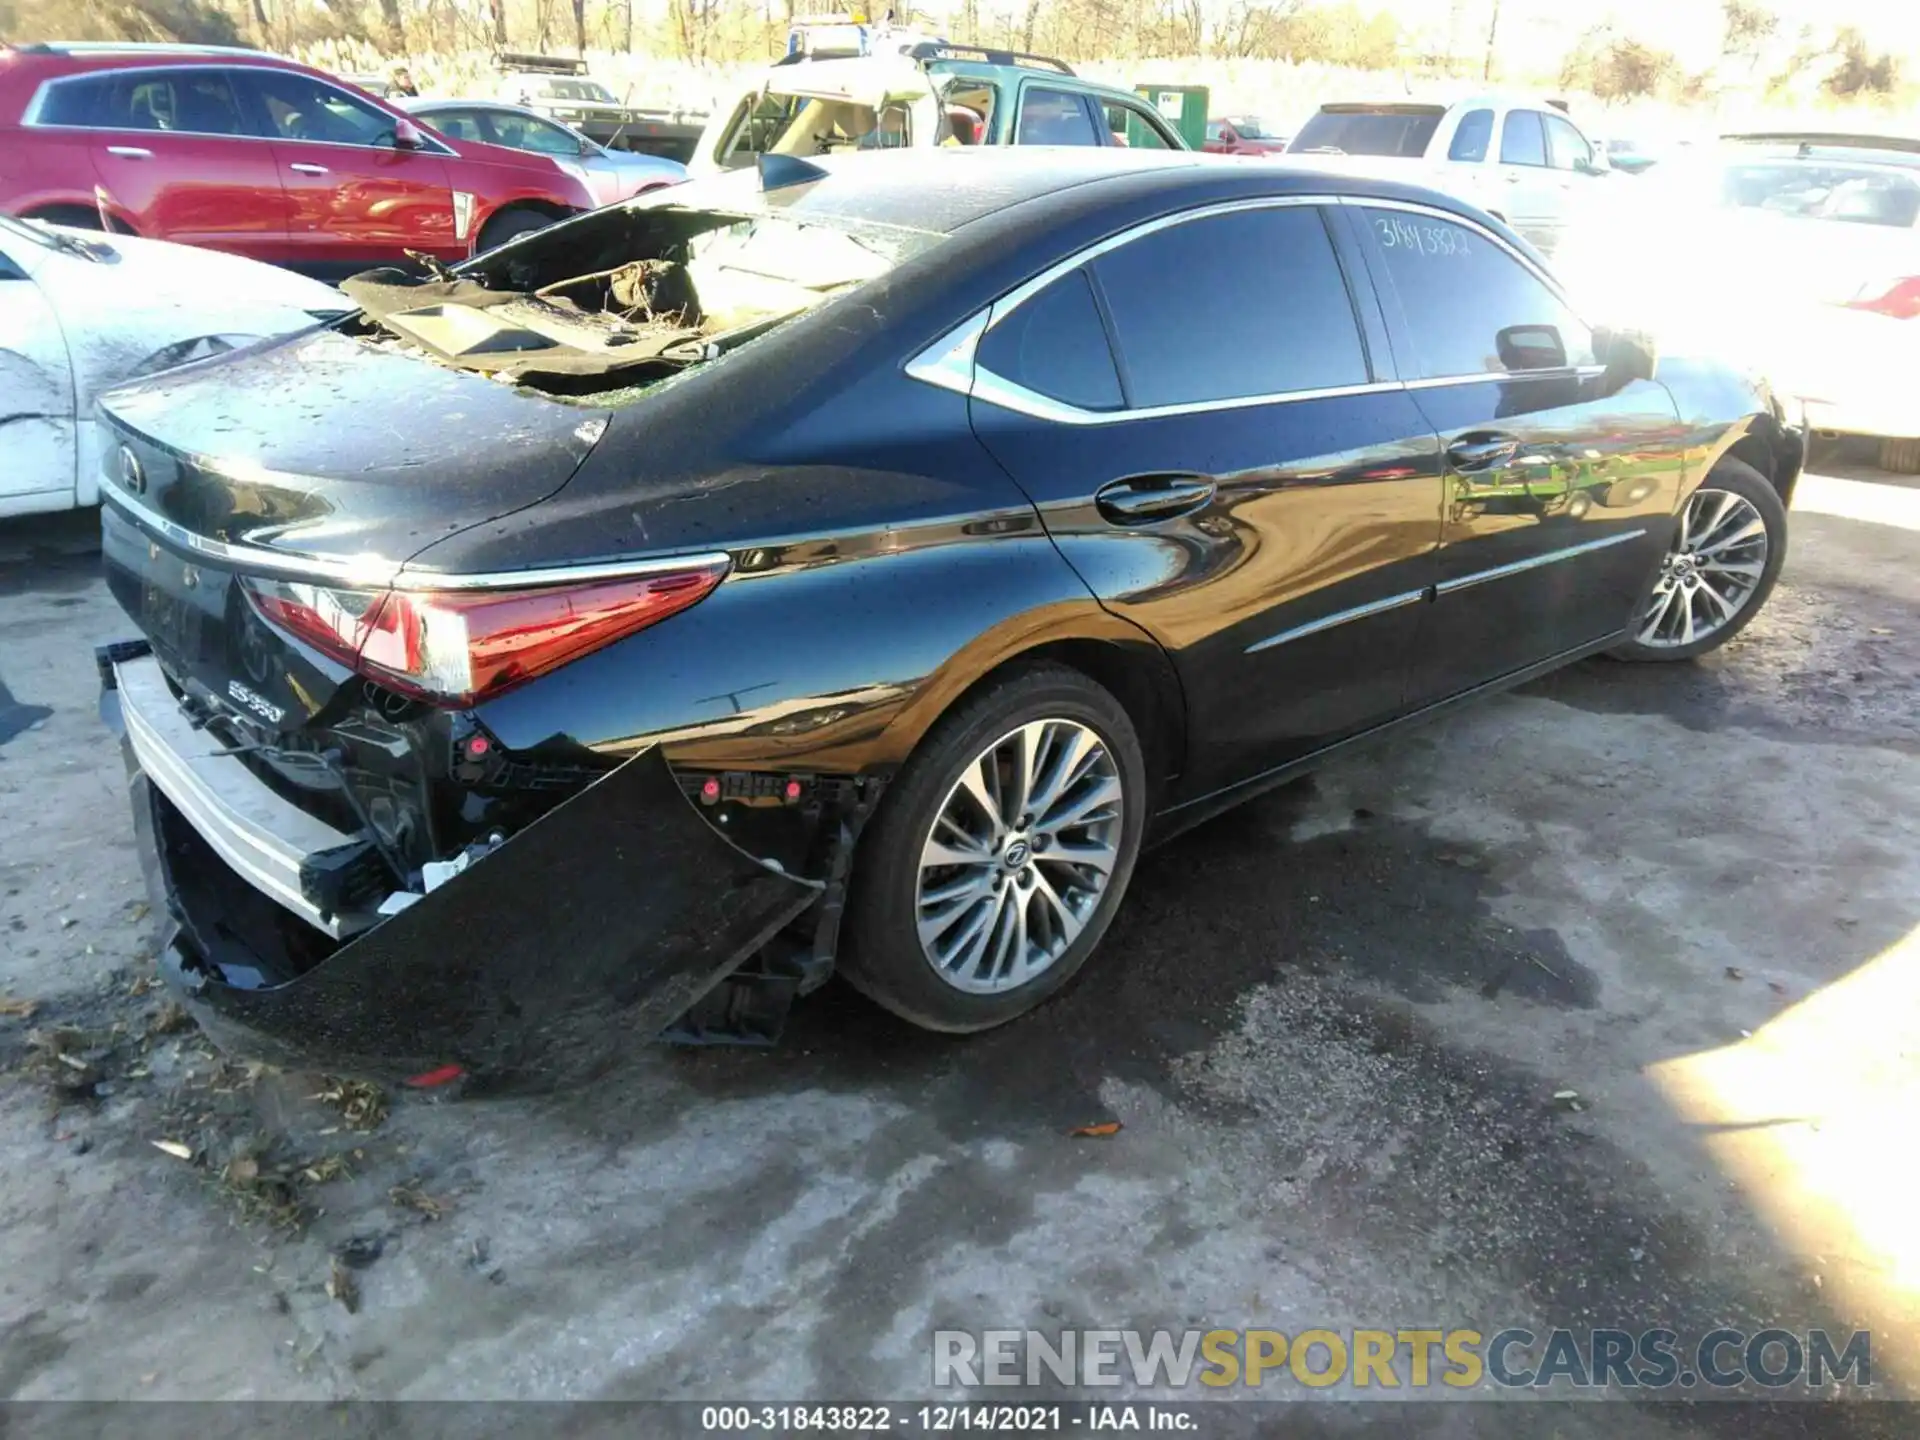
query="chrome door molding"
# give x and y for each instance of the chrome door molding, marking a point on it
(1534, 562)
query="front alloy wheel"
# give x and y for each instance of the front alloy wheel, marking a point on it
(1712, 571)
(1018, 856)
(1728, 545)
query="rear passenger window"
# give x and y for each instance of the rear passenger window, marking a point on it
(85, 102)
(1054, 117)
(1470, 307)
(1523, 142)
(1473, 135)
(192, 102)
(1056, 346)
(1247, 303)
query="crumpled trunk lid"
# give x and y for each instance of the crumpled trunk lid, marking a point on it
(324, 458)
(337, 448)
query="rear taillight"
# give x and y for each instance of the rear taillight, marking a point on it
(456, 647)
(1899, 298)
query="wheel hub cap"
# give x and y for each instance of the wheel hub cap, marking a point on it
(1018, 856)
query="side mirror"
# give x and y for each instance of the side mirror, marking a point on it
(588, 147)
(1531, 347)
(408, 136)
(1629, 355)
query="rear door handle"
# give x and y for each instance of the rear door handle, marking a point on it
(129, 152)
(306, 169)
(1143, 499)
(1481, 452)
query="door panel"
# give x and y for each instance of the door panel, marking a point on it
(1276, 539)
(353, 205)
(1527, 193)
(171, 150)
(36, 392)
(1553, 530)
(354, 199)
(1560, 483)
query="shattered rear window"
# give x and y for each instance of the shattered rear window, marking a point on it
(627, 298)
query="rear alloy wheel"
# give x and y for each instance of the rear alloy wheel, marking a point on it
(999, 854)
(1726, 554)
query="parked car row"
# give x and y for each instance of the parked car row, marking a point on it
(245, 152)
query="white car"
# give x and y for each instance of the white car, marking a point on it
(1797, 255)
(1522, 161)
(81, 311)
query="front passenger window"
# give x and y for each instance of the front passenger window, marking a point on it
(1469, 305)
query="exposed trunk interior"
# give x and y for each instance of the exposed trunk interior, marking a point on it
(632, 297)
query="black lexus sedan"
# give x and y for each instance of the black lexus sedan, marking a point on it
(851, 566)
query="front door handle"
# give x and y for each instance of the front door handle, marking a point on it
(1481, 452)
(306, 169)
(129, 152)
(1143, 499)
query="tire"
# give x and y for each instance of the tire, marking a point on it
(510, 225)
(1712, 567)
(1027, 949)
(1902, 457)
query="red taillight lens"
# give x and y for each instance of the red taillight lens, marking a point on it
(1899, 298)
(456, 647)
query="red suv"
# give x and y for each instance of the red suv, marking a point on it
(250, 153)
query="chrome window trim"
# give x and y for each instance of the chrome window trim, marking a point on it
(1534, 562)
(30, 117)
(375, 571)
(1563, 372)
(1340, 617)
(949, 362)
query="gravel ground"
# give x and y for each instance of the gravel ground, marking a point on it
(1332, 1025)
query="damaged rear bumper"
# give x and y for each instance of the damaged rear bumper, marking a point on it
(564, 948)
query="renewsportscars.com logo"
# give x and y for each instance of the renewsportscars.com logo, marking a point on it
(1656, 1359)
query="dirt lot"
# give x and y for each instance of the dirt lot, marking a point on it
(1333, 1026)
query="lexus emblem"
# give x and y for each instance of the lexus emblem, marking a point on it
(133, 476)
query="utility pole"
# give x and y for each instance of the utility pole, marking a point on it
(1493, 28)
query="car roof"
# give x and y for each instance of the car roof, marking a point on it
(943, 189)
(46, 61)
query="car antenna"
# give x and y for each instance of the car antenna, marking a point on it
(777, 172)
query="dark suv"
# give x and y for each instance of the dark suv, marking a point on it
(246, 152)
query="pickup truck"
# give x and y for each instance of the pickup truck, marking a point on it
(1522, 161)
(560, 89)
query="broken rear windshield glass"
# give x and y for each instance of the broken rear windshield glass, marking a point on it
(628, 296)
